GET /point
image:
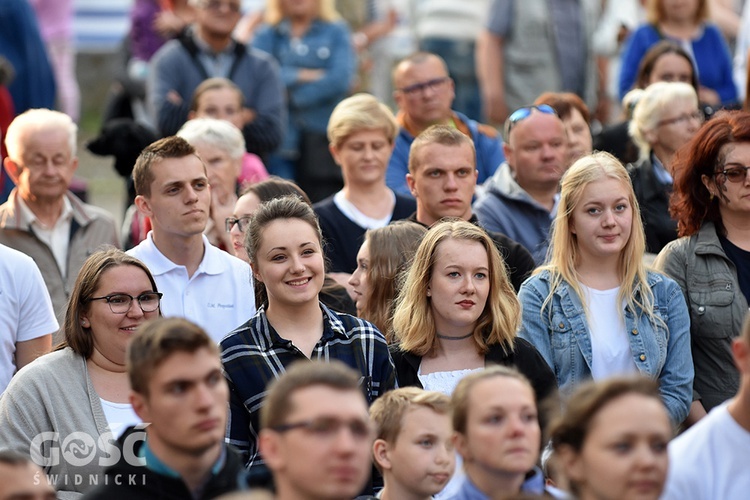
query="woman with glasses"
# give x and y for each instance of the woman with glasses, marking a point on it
(665, 117)
(594, 311)
(711, 260)
(315, 51)
(78, 394)
(333, 295)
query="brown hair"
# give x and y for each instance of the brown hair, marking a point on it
(216, 83)
(301, 375)
(168, 147)
(564, 103)
(691, 204)
(275, 187)
(437, 134)
(462, 393)
(392, 249)
(388, 411)
(156, 341)
(652, 56)
(77, 337)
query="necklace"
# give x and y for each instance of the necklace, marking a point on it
(448, 337)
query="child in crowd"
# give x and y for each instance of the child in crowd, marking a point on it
(413, 448)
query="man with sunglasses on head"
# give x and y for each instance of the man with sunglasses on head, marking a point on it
(424, 95)
(520, 200)
(315, 433)
(206, 49)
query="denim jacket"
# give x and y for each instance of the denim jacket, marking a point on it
(561, 335)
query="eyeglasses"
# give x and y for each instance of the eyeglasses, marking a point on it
(418, 88)
(695, 115)
(735, 173)
(216, 5)
(522, 113)
(242, 223)
(119, 303)
(328, 428)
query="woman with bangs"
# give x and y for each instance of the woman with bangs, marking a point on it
(595, 311)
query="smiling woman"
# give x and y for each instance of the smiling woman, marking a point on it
(594, 311)
(80, 391)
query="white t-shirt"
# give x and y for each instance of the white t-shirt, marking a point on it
(218, 297)
(25, 308)
(119, 416)
(710, 460)
(610, 347)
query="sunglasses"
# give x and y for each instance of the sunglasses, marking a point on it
(522, 113)
(733, 172)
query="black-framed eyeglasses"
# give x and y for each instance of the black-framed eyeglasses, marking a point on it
(242, 223)
(119, 303)
(522, 113)
(685, 117)
(418, 88)
(329, 427)
(733, 172)
(216, 5)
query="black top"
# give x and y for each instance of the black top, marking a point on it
(518, 259)
(741, 260)
(653, 197)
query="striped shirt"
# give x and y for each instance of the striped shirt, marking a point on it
(254, 354)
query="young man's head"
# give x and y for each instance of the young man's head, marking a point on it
(171, 185)
(21, 479)
(178, 386)
(442, 174)
(413, 446)
(42, 159)
(315, 432)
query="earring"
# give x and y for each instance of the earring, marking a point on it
(710, 196)
(429, 293)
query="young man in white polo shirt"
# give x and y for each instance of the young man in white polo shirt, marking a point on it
(199, 282)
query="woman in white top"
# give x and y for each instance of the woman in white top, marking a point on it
(595, 311)
(65, 408)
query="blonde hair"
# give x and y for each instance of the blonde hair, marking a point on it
(413, 324)
(651, 105)
(326, 11)
(360, 112)
(388, 411)
(564, 253)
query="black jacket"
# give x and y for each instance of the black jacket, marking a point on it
(518, 260)
(125, 481)
(653, 198)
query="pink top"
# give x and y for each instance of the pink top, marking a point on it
(55, 18)
(253, 170)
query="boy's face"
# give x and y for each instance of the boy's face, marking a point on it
(222, 104)
(422, 459)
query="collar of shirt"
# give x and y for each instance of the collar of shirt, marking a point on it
(332, 328)
(661, 173)
(154, 464)
(160, 264)
(30, 219)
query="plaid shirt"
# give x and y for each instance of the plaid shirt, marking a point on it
(254, 354)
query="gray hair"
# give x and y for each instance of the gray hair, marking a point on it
(652, 103)
(217, 133)
(35, 120)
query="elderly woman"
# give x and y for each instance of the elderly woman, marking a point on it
(79, 393)
(361, 133)
(316, 55)
(710, 260)
(221, 147)
(687, 24)
(665, 118)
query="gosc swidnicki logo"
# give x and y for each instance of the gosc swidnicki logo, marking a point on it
(79, 449)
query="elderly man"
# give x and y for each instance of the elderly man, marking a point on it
(520, 200)
(42, 218)
(208, 50)
(424, 95)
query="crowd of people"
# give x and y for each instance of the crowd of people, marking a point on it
(314, 297)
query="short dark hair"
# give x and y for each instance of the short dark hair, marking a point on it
(8, 457)
(301, 375)
(156, 341)
(168, 147)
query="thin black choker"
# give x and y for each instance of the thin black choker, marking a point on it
(448, 337)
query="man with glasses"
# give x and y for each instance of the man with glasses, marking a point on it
(177, 387)
(42, 218)
(520, 200)
(206, 50)
(200, 282)
(315, 433)
(424, 95)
